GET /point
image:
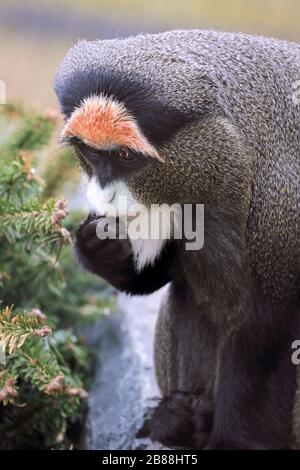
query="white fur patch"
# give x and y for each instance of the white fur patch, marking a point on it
(146, 251)
(146, 247)
(97, 196)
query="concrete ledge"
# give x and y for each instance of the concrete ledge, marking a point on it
(124, 388)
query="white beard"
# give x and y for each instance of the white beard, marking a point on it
(145, 250)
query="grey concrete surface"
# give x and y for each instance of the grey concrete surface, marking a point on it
(124, 389)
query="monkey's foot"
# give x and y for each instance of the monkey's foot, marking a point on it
(182, 420)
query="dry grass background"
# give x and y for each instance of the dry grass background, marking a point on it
(27, 67)
(269, 16)
(29, 56)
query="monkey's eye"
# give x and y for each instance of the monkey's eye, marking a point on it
(92, 154)
(88, 153)
(126, 155)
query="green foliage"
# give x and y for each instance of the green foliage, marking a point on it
(46, 371)
(60, 165)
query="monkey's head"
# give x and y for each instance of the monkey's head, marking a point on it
(125, 132)
(142, 121)
(118, 130)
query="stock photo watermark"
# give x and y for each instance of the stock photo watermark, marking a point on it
(157, 222)
(296, 354)
(2, 92)
(296, 92)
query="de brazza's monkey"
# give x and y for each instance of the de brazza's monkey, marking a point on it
(207, 118)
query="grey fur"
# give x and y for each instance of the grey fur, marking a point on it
(246, 79)
(243, 160)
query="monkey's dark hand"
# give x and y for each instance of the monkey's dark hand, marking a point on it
(113, 260)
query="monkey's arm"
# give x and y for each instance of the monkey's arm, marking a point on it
(257, 382)
(254, 343)
(113, 260)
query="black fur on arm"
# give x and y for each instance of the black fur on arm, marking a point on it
(257, 380)
(113, 260)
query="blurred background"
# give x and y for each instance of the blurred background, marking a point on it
(35, 35)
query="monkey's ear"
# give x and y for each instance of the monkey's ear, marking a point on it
(156, 119)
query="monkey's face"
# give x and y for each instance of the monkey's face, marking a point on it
(111, 148)
(111, 172)
(128, 137)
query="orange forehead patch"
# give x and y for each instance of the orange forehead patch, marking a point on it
(103, 122)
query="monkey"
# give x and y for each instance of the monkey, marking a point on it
(200, 117)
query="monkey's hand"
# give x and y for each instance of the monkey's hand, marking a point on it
(113, 260)
(110, 258)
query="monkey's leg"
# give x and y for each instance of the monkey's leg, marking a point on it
(257, 383)
(185, 355)
(113, 260)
